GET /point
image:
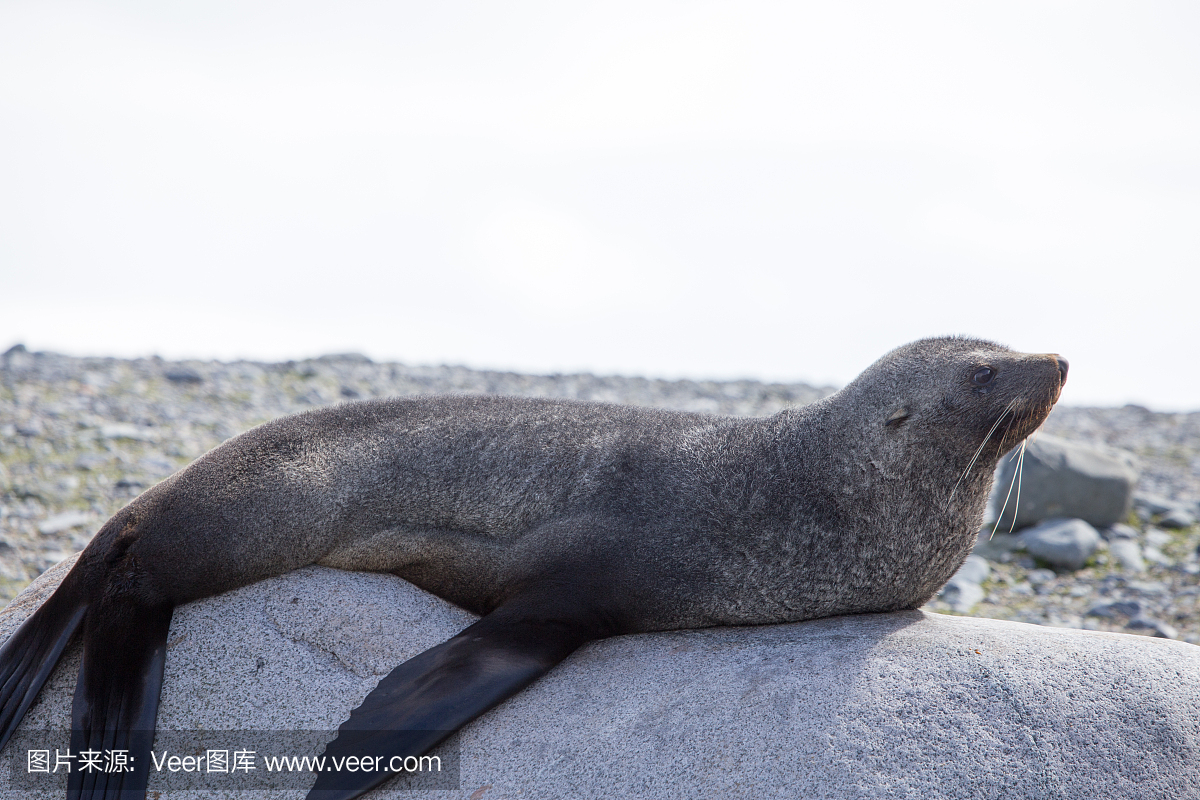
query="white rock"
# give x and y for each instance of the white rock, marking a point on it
(907, 704)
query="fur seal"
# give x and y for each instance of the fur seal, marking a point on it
(557, 521)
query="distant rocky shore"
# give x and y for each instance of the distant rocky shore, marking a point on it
(80, 437)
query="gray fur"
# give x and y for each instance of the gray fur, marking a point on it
(859, 502)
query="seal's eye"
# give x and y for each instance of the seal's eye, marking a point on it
(984, 375)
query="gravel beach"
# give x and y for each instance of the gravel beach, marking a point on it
(80, 437)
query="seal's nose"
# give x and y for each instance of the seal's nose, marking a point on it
(1062, 367)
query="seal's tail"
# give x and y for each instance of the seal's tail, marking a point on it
(29, 656)
(116, 697)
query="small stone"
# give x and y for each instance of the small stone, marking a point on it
(156, 465)
(962, 596)
(183, 375)
(1122, 608)
(997, 546)
(1119, 530)
(1066, 543)
(1160, 629)
(63, 522)
(1157, 537)
(1156, 556)
(974, 569)
(1154, 503)
(1039, 577)
(1147, 587)
(348, 358)
(126, 430)
(90, 461)
(1128, 554)
(32, 427)
(1177, 518)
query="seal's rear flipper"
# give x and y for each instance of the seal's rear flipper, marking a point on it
(431, 695)
(116, 699)
(29, 656)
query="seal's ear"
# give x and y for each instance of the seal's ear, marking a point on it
(898, 417)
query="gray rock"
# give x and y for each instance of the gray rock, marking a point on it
(1154, 504)
(1121, 608)
(1040, 577)
(349, 358)
(1177, 518)
(997, 546)
(974, 570)
(90, 461)
(156, 465)
(63, 522)
(962, 595)
(125, 430)
(963, 590)
(908, 704)
(1156, 556)
(1119, 530)
(1061, 478)
(1066, 543)
(32, 427)
(1148, 587)
(1157, 537)
(181, 374)
(1128, 554)
(1160, 629)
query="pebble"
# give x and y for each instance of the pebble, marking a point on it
(1119, 531)
(1124, 608)
(1177, 518)
(974, 570)
(1128, 554)
(963, 590)
(1066, 543)
(1158, 628)
(182, 375)
(62, 522)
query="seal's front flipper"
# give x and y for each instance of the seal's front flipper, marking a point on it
(431, 695)
(29, 656)
(116, 700)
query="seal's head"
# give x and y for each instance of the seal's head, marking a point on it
(942, 411)
(909, 449)
(984, 390)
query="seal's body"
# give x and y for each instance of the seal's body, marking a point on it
(557, 521)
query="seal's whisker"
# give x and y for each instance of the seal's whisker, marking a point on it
(1020, 469)
(979, 450)
(1019, 454)
(1011, 484)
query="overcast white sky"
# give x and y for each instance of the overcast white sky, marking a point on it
(742, 189)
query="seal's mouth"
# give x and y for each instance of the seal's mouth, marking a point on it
(1025, 413)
